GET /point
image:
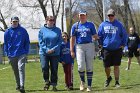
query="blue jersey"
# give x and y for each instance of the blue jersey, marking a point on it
(16, 41)
(112, 35)
(49, 39)
(83, 32)
(65, 55)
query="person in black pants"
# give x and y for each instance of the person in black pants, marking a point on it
(133, 45)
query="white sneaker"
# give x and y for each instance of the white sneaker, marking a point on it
(127, 68)
(82, 86)
(89, 89)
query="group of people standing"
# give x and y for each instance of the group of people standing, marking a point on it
(55, 47)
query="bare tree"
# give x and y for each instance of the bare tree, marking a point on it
(6, 9)
(43, 4)
(72, 6)
(2, 20)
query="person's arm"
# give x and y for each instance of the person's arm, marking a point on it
(100, 34)
(138, 42)
(124, 37)
(72, 43)
(93, 32)
(5, 43)
(58, 44)
(27, 42)
(41, 42)
(95, 37)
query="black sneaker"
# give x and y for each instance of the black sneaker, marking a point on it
(47, 85)
(107, 82)
(22, 90)
(71, 87)
(117, 85)
(54, 88)
(18, 88)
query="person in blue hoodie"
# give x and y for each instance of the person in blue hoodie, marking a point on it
(112, 36)
(16, 47)
(67, 61)
(49, 49)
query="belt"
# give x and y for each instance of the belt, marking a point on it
(85, 43)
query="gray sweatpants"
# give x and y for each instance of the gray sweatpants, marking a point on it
(18, 66)
(85, 55)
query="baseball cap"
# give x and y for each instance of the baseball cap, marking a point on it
(83, 12)
(110, 12)
(15, 18)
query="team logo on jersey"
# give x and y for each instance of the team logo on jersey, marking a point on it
(132, 38)
(110, 29)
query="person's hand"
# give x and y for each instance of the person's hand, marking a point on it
(50, 51)
(138, 49)
(100, 46)
(121, 47)
(72, 54)
(63, 63)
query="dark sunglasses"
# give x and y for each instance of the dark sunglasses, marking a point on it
(110, 15)
(51, 20)
(14, 21)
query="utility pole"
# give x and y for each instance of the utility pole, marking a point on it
(103, 1)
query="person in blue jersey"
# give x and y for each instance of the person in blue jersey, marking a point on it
(83, 32)
(112, 36)
(67, 61)
(49, 49)
(133, 46)
(16, 47)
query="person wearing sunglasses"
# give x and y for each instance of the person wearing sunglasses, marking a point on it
(16, 47)
(49, 49)
(112, 36)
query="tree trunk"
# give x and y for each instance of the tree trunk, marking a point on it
(126, 14)
(43, 8)
(131, 18)
(62, 17)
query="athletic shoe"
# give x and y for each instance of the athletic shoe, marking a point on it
(47, 85)
(89, 89)
(127, 68)
(107, 82)
(18, 88)
(54, 88)
(22, 90)
(71, 87)
(82, 87)
(117, 85)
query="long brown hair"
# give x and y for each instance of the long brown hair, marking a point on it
(65, 33)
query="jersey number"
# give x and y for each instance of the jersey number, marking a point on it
(83, 34)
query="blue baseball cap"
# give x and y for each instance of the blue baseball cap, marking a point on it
(15, 18)
(82, 13)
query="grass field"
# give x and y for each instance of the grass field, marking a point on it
(129, 80)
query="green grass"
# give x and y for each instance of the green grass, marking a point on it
(129, 80)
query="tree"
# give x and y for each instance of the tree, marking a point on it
(71, 8)
(6, 9)
(43, 5)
